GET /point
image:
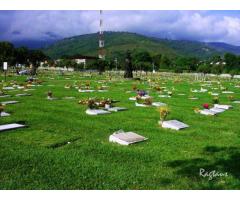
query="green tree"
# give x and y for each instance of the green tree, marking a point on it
(232, 61)
(204, 68)
(7, 53)
(21, 55)
(128, 66)
(165, 62)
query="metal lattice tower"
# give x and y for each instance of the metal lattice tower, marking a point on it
(101, 53)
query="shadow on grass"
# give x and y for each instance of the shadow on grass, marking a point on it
(224, 160)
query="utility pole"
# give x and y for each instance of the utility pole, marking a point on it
(101, 52)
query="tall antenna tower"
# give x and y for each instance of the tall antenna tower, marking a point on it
(101, 52)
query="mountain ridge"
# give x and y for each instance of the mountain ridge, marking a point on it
(116, 44)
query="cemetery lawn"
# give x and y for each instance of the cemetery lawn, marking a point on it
(39, 156)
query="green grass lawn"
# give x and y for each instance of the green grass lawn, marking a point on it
(36, 157)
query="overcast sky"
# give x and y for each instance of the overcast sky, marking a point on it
(207, 26)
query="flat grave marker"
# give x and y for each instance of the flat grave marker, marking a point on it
(217, 110)
(207, 112)
(6, 127)
(8, 88)
(227, 92)
(158, 104)
(9, 102)
(4, 114)
(83, 91)
(4, 96)
(174, 124)
(22, 94)
(96, 112)
(126, 138)
(225, 107)
(116, 109)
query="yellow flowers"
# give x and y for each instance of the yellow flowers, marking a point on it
(231, 98)
(196, 110)
(164, 111)
(215, 100)
(1, 108)
(148, 101)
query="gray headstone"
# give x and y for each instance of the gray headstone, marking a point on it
(116, 109)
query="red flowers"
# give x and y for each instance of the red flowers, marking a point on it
(206, 106)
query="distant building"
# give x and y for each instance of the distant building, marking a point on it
(80, 59)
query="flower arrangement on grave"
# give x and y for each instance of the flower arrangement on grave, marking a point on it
(25, 86)
(177, 80)
(39, 82)
(68, 86)
(134, 87)
(215, 100)
(105, 102)
(141, 93)
(1, 92)
(223, 88)
(1, 108)
(158, 88)
(170, 93)
(100, 87)
(148, 101)
(138, 99)
(231, 98)
(49, 94)
(87, 84)
(206, 105)
(196, 110)
(92, 104)
(164, 112)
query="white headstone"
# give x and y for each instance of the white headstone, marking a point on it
(227, 92)
(83, 91)
(225, 107)
(132, 98)
(158, 104)
(4, 114)
(10, 126)
(9, 102)
(164, 96)
(141, 105)
(207, 112)
(174, 124)
(8, 88)
(126, 138)
(96, 112)
(236, 102)
(217, 110)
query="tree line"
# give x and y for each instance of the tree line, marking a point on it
(140, 60)
(21, 55)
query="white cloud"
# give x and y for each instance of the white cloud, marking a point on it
(192, 25)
